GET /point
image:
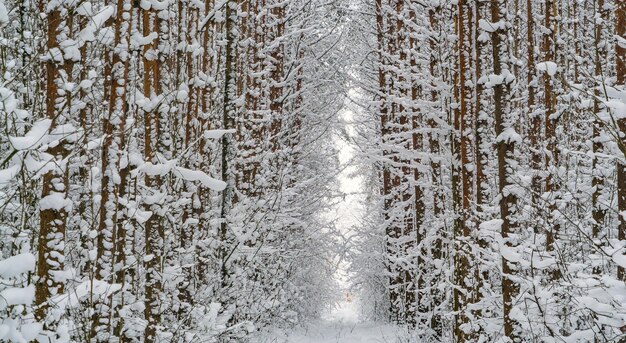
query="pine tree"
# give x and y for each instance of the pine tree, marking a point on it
(53, 205)
(620, 53)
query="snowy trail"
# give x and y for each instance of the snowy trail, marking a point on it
(341, 326)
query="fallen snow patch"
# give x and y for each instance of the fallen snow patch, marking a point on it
(548, 67)
(16, 296)
(16, 265)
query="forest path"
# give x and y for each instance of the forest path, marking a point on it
(340, 326)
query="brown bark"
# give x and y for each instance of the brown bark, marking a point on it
(249, 137)
(482, 157)
(192, 132)
(153, 229)
(109, 242)
(85, 117)
(409, 126)
(535, 118)
(464, 124)
(205, 104)
(53, 216)
(620, 53)
(436, 322)
(597, 182)
(551, 162)
(394, 226)
(505, 152)
(418, 190)
(276, 89)
(228, 122)
(481, 126)
(384, 125)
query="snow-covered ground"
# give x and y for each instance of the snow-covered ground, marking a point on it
(342, 324)
(339, 326)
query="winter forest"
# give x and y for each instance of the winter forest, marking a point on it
(242, 170)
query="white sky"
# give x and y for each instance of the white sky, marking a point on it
(349, 211)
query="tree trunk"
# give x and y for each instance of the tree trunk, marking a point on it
(53, 213)
(620, 53)
(535, 118)
(464, 124)
(436, 322)
(153, 226)
(551, 161)
(228, 122)
(598, 212)
(505, 151)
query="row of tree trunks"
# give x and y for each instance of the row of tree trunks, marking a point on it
(151, 85)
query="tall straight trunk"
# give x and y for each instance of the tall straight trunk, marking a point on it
(505, 151)
(481, 127)
(460, 261)
(191, 211)
(464, 125)
(85, 117)
(296, 129)
(204, 106)
(118, 108)
(620, 53)
(107, 239)
(193, 137)
(276, 89)
(551, 161)
(576, 29)
(535, 118)
(394, 229)
(228, 122)
(481, 124)
(418, 190)
(52, 206)
(153, 226)
(598, 212)
(384, 126)
(259, 130)
(249, 32)
(108, 209)
(408, 126)
(436, 322)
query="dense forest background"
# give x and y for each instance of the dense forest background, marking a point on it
(166, 167)
(169, 169)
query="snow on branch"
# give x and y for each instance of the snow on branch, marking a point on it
(162, 169)
(547, 67)
(16, 265)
